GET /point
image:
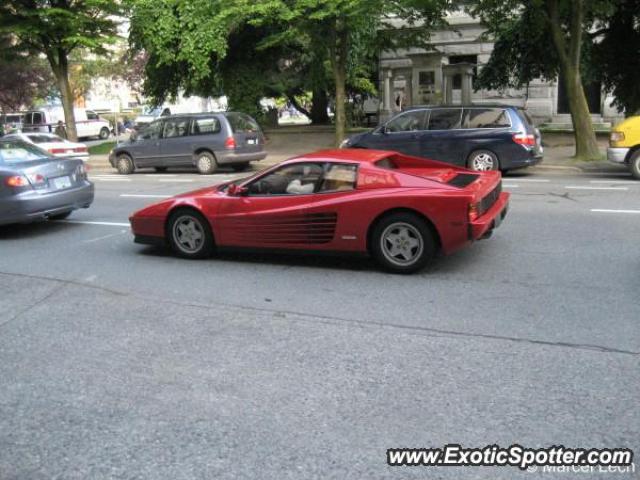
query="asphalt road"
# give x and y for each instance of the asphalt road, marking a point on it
(121, 361)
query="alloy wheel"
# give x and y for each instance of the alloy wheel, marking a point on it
(401, 244)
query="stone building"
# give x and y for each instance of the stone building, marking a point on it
(443, 73)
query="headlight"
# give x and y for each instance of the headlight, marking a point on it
(345, 143)
(616, 136)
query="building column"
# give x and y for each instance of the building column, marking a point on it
(386, 100)
(448, 89)
(466, 88)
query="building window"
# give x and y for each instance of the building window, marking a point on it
(457, 79)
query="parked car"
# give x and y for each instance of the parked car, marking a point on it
(203, 140)
(35, 185)
(401, 210)
(477, 137)
(10, 123)
(624, 145)
(55, 145)
(88, 123)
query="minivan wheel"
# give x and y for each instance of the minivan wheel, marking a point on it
(124, 164)
(206, 163)
(190, 234)
(634, 164)
(482, 161)
(104, 133)
(402, 243)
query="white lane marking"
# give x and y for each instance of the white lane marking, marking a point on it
(160, 174)
(605, 210)
(578, 187)
(104, 237)
(624, 182)
(108, 224)
(135, 195)
(188, 180)
(508, 185)
(530, 180)
(98, 179)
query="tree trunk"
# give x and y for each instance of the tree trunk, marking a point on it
(320, 100)
(339, 63)
(61, 71)
(584, 134)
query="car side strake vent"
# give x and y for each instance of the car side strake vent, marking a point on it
(306, 229)
(463, 179)
(487, 202)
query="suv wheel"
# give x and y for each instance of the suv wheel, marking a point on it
(206, 163)
(482, 161)
(634, 164)
(124, 164)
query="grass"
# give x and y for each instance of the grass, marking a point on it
(102, 149)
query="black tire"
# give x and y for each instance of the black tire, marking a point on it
(60, 216)
(161, 169)
(634, 164)
(408, 228)
(197, 241)
(124, 164)
(104, 133)
(482, 160)
(206, 163)
(240, 167)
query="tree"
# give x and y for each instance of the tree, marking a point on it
(56, 28)
(541, 38)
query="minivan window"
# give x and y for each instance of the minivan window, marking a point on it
(152, 131)
(485, 118)
(205, 126)
(241, 123)
(176, 127)
(407, 122)
(445, 118)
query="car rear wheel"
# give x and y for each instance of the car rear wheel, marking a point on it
(124, 164)
(403, 243)
(161, 169)
(482, 161)
(190, 235)
(634, 164)
(206, 163)
(104, 133)
(240, 167)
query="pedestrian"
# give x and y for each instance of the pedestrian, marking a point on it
(60, 130)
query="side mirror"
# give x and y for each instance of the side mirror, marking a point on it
(236, 191)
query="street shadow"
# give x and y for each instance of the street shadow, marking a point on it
(35, 229)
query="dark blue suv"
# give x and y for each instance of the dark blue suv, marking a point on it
(479, 137)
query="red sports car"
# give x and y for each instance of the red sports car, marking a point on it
(399, 209)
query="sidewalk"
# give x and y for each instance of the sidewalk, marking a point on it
(285, 143)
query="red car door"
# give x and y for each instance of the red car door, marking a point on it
(272, 213)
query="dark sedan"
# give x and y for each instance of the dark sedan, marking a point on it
(35, 185)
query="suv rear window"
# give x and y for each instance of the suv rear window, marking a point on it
(241, 123)
(485, 118)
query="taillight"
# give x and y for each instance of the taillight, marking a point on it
(230, 143)
(80, 150)
(16, 181)
(473, 211)
(37, 179)
(81, 170)
(55, 151)
(524, 139)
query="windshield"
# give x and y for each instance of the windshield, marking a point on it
(151, 111)
(20, 152)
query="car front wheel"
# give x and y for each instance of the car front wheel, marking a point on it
(190, 235)
(124, 164)
(634, 164)
(482, 161)
(403, 243)
(104, 133)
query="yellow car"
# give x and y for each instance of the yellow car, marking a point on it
(624, 145)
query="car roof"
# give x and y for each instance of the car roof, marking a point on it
(350, 155)
(480, 105)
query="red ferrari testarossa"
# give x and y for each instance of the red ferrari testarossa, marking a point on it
(399, 209)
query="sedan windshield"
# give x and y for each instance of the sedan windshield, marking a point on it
(20, 152)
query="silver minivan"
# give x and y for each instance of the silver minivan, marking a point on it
(203, 140)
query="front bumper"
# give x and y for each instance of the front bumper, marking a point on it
(483, 226)
(32, 206)
(617, 154)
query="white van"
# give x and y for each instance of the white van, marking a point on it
(88, 123)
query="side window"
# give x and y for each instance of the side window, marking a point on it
(485, 118)
(407, 122)
(37, 118)
(339, 177)
(445, 118)
(175, 127)
(205, 126)
(166, 112)
(152, 132)
(297, 179)
(92, 115)
(27, 118)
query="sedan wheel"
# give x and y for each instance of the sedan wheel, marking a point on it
(482, 161)
(190, 235)
(403, 243)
